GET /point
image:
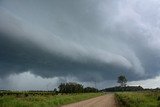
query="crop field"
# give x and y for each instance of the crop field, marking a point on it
(138, 99)
(41, 99)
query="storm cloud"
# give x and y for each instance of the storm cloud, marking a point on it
(91, 40)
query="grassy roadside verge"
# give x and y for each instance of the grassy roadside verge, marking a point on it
(44, 101)
(138, 99)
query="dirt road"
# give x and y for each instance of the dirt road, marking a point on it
(102, 101)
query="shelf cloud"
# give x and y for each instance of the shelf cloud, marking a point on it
(90, 40)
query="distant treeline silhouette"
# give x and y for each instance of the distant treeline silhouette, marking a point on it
(73, 87)
(119, 88)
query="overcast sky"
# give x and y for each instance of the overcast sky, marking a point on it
(46, 42)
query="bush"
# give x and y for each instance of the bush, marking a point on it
(70, 88)
(158, 98)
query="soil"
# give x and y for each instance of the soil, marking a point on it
(107, 100)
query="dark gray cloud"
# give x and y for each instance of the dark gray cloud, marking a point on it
(89, 39)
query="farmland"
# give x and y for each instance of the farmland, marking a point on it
(41, 99)
(139, 99)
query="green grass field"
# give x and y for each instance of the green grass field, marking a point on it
(138, 99)
(43, 100)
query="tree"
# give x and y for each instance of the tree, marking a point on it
(70, 87)
(62, 88)
(90, 89)
(55, 91)
(122, 80)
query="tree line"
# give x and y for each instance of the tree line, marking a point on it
(73, 87)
